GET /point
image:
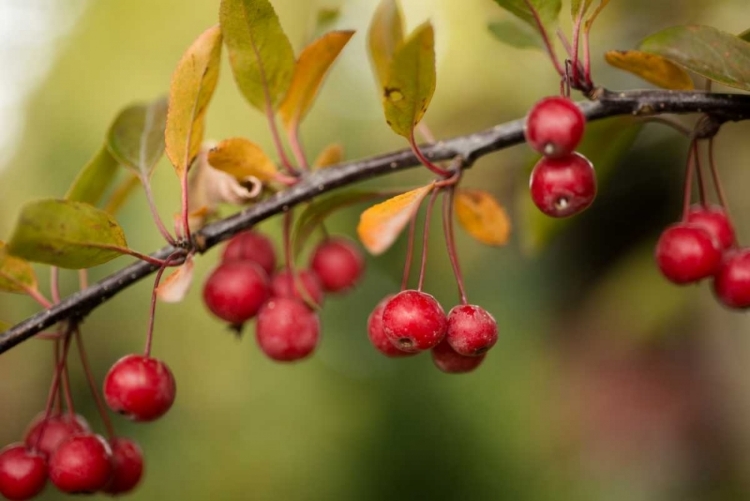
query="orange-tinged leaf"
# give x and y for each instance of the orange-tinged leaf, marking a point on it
(174, 288)
(193, 83)
(16, 274)
(241, 158)
(381, 224)
(385, 36)
(331, 155)
(652, 68)
(482, 216)
(311, 68)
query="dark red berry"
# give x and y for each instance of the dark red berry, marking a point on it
(732, 281)
(471, 330)
(23, 472)
(714, 220)
(127, 466)
(306, 287)
(58, 428)
(562, 187)
(287, 330)
(376, 333)
(686, 253)
(82, 464)
(448, 360)
(236, 290)
(554, 126)
(251, 246)
(414, 321)
(338, 263)
(142, 388)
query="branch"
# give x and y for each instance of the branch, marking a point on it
(720, 107)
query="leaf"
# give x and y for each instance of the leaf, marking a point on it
(260, 54)
(241, 158)
(311, 68)
(327, 16)
(332, 154)
(66, 234)
(121, 194)
(714, 54)
(381, 224)
(386, 34)
(136, 137)
(482, 216)
(411, 81)
(515, 34)
(193, 84)
(16, 275)
(652, 68)
(547, 10)
(94, 179)
(175, 287)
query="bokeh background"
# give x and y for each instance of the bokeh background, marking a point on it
(607, 382)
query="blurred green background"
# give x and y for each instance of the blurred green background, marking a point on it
(607, 382)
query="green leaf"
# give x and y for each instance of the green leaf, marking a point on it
(711, 53)
(66, 234)
(651, 67)
(547, 10)
(326, 16)
(136, 137)
(411, 81)
(386, 34)
(515, 34)
(94, 179)
(16, 274)
(260, 54)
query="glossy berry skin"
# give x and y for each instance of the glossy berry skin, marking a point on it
(139, 387)
(686, 253)
(57, 429)
(338, 263)
(562, 187)
(82, 464)
(414, 321)
(235, 291)
(449, 361)
(376, 333)
(127, 466)
(715, 221)
(23, 472)
(554, 126)
(471, 330)
(732, 281)
(251, 246)
(287, 330)
(283, 285)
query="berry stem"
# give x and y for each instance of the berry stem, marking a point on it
(409, 250)
(58, 355)
(545, 38)
(146, 183)
(720, 193)
(450, 242)
(688, 187)
(152, 308)
(424, 160)
(425, 236)
(66, 376)
(92, 385)
(53, 391)
(699, 172)
(287, 237)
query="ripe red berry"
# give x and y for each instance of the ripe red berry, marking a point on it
(142, 388)
(127, 466)
(236, 290)
(283, 285)
(57, 428)
(286, 329)
(732, 281)
(714, 220)
(554, 126)
(251, 246)
(448, 360)
(686, 253)
(562, 187)
(414, 321)
(82, 464)
(338, 263)
(471, 330)
(376, 333)
(23, 472)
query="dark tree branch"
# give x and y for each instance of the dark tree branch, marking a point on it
(719, 107)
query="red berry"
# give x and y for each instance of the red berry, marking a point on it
(471, 330)
(82, 464)
(414, 321)
(448, 360)
(287, 330)
(686, 253)
(283, 285)
(142, 388)
(714, 220)
(58, 428)
(251, 246)
(236, 290)
(376, 333)
(127, 466)
(23, 472)
(562, 187)
(554, 126)
(732, 281)
(338, 263)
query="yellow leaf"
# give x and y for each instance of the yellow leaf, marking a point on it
(385, 36)
(482, 217)
(16, 274)
(311, 68)
(332, 154)
(652, 68)
(381, 224)
(241, 158)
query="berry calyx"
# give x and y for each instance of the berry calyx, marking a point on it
(251, 246)
(554, 126)
(286, 329)
(564, 186)
(732, 281)
(82, 464)
(235, 291)
(23, 472)
(715, 221)
(471, 330)
(306, 286)
(55, 431)
(338, 263)
(139, 387)
(127, 466)
(687, 253)
(414, 321)
(450, 361)
(376, 333)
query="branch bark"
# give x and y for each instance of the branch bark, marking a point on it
(720, 107)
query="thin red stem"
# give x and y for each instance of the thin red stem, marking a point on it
(287, 237)
(67, 393)
(52, 394)
(152, 308)
(426, 161)
(688, 188)
(92, 386)
(545, 38)
(450, 243)
(699, 172)
(297, 150)
(155, 213)
(54, 283)
(37, 296)
(715, 175)
(83, 279)
(277, 138)
(426, 235)
(576, 42)
(185, 208)
(409, 250)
